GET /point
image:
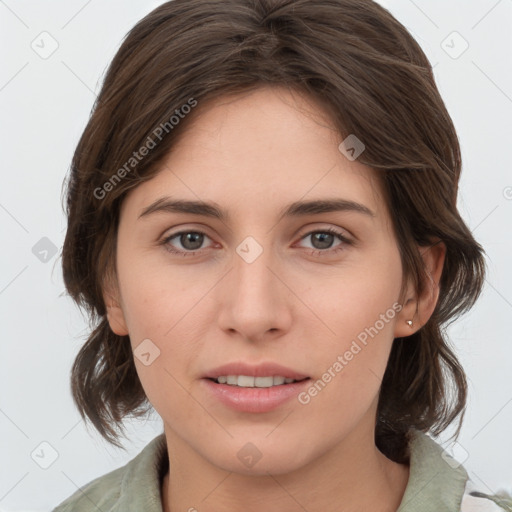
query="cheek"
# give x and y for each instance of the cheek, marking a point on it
(354, 300)
(162, 322)
(165, 317)
(157, 297)
(361, 309)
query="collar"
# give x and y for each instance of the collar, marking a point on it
(436, 480)
(140, 487)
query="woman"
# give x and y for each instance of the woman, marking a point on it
(262, 223)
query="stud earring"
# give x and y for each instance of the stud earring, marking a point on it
(409, 323)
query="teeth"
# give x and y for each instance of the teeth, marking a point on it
(246, 381)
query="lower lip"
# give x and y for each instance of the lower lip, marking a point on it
(255, 399)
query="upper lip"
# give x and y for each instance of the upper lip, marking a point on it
(261, 370)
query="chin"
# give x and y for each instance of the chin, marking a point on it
(257, 456)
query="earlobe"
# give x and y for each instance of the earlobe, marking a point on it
(406, 322)
(417, 310)
(115, 315)
(116, 320)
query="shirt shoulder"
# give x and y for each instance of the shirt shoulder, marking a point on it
(100, 493)
(438, 482)
(474, 500)
(132, 487)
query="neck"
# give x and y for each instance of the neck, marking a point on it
(340, 479)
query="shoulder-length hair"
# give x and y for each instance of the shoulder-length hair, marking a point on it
(354, 58)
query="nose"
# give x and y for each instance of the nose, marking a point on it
(255, 300)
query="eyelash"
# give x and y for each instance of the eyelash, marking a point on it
(316, 252)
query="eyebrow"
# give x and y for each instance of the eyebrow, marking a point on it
(296, 209)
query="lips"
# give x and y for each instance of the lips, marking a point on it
(249, 389)
(253, 400)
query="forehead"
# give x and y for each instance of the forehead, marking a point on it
(256, 151)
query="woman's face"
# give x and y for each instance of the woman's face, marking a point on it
(270, 282)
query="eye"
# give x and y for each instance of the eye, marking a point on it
(322, 240)
(191, 241)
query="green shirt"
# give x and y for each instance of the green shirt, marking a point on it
(437, 483)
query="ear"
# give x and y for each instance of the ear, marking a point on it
(112, 300)
(419, 309)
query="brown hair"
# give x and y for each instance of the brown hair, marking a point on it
(351, 56)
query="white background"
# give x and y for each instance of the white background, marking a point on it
(45, 104)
